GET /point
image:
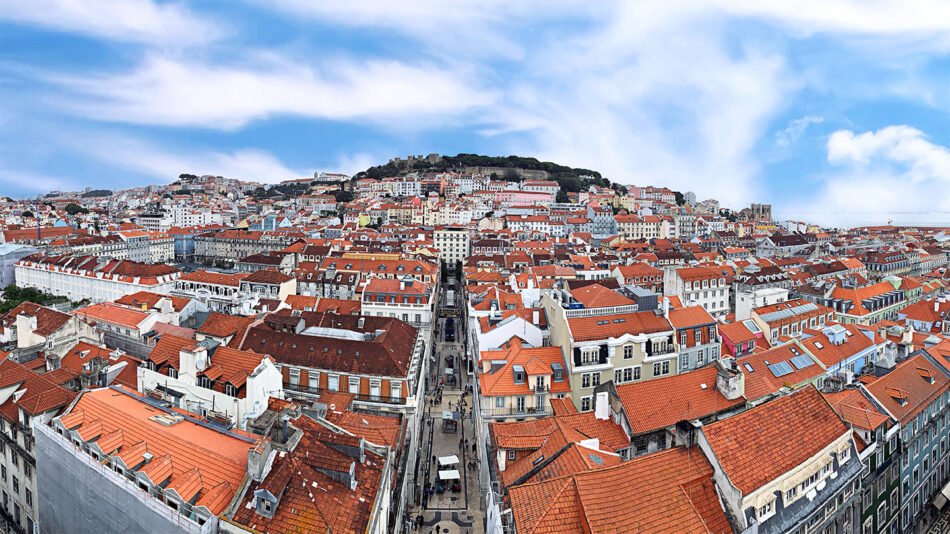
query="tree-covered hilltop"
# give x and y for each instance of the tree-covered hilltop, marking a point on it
(97, 193)
(571, 179)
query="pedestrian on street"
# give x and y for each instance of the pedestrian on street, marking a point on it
(473, 447)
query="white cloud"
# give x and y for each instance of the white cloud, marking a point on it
(146, 158)
(646, 93)
(892, 173)
(660, 93)
(907, 147)
(140, 21)
(460, 28)
(191, 93)
(795, 129)
(651, 97)
(880, 17)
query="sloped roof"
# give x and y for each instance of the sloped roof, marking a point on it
(386, 354)
(185, 446)
(616, 325)
(48, 320)
(598, 296)
(657, 493)
(906, 390)
(310, 500)
(752, 447)
(222, 325)
(662, 402)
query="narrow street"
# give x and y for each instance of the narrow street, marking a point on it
(447, 508)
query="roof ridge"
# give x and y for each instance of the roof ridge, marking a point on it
(692, 505)
(568, 481)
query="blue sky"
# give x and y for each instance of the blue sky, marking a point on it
(833, 111)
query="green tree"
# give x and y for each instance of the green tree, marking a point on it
(97, 193)
(28, 213)
(562, 196)
(343, 196)
(512, 175)
(14, 295)
(73, 209)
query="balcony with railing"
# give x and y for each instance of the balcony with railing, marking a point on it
(382, 399)
(520, 412)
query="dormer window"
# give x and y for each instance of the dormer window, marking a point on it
(519, 374)
(172, 372)
(265, 506)
(765, 510)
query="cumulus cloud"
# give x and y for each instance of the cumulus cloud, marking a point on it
(140, 21)
(176, 92)
(891, 173)
(902, 146)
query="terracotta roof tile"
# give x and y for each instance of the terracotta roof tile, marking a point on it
(656, 493)
(177, 449)
(663, 402)
(752, 447)
(598, 296)
(906, 390)
(48, 320)
(616, 325)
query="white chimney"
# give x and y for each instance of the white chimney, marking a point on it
(936, 305)
(601, 408)
(535, 317)
(666, 307)
(402, 285)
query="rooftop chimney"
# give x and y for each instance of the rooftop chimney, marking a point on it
(601, 407)
(730, 380)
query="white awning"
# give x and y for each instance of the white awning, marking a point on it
(448, 460)
(942, 497)
(452, 474)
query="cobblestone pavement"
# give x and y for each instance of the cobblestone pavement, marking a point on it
(449, 512)
(942, 524)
